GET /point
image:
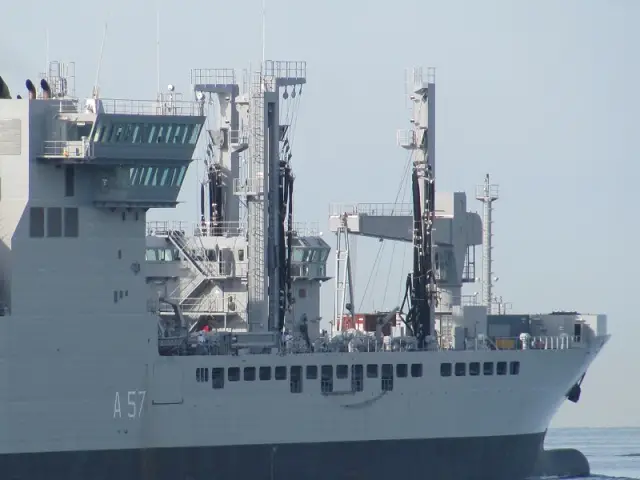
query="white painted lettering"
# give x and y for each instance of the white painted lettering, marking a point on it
(135, 402)
(131, 400)
(142, 394)
(116, 407)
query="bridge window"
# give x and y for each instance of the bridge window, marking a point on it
(152, 133)
(460, 369)
(401, 370)
(487, 368)
(474, 369)
(372, 371)
(136, 136)
(164, 176)
(159, 138)
(181, 176)
(416, 370)
(342, 371)
(194, 134)
(179, 134)
(445, 369)
(147, 178)
(501, 368)
(127, 133)
(157, 176)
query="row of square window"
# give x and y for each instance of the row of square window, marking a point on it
(177, 134)
(326, 375)
(280, 373)
(342, 372)
(157, 176)
(52, 224)
(460, 368)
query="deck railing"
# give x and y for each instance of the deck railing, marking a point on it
(363, 343)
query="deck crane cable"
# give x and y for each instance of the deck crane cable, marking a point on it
(372, 274)
(376, 264)
(403, 184)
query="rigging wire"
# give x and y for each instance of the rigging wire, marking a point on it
(401, 190)
(403, 187)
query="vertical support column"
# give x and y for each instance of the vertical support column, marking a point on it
(257, 185)
(264, 199)
(229, 158)
(428, 193)
(424, 125)
(421, 140)
(487, 194)
(272, 217)
(344, 283)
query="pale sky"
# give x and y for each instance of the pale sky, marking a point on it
(538, 93)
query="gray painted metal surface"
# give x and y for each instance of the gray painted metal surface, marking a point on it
(106, 367)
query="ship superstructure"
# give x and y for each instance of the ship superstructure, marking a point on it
(120, 362)
(203, 266)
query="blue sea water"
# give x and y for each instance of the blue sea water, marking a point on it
(613, 453)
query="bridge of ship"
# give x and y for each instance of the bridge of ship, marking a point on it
(135, 153)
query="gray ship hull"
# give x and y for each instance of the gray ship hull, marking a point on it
(476, 458)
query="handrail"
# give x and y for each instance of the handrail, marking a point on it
(164, 106)
(377, 209)
(66, 148)
(366, 342)
(193, 229)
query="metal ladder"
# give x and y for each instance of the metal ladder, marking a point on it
(256, 212)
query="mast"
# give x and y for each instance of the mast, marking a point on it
(219, 206)
(269, 202)
(420, 140)
(487, 194)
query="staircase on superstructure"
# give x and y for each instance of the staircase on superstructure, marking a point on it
(223, 276)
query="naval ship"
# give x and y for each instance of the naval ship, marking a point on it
(193, 351)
